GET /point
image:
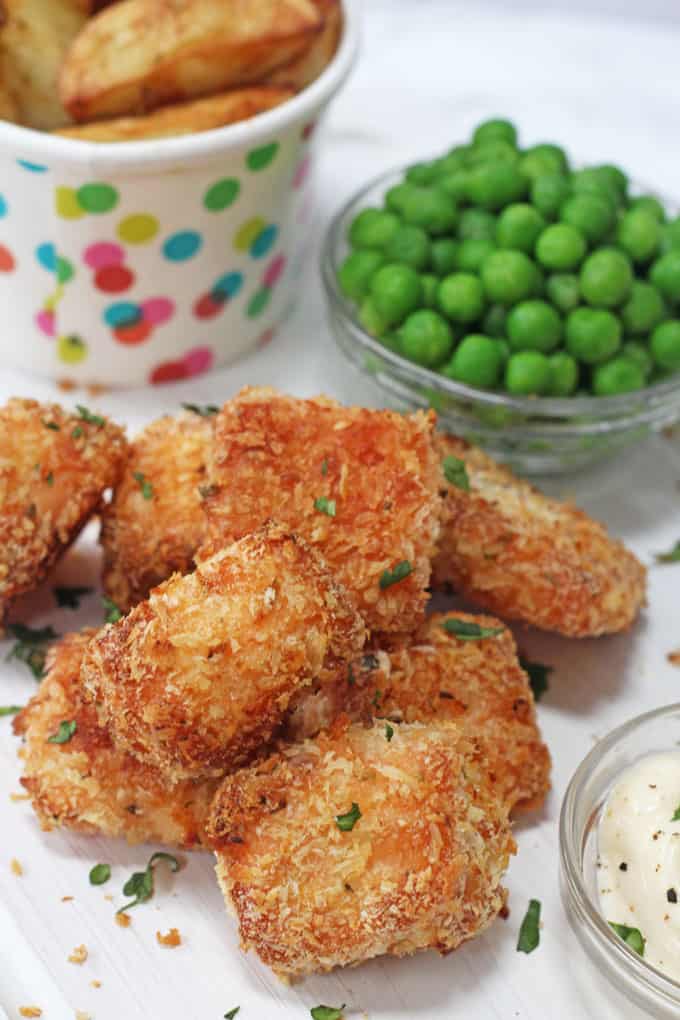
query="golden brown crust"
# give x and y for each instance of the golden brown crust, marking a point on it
(147, 540)
(302, 72)
(87, 784)
(194, 680)
(420, 869)
(275, 455)
(512, 550)
(51, 482)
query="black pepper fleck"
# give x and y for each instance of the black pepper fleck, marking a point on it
(671, 896)
(623, 866)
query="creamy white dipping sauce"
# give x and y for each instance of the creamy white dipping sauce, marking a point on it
(639, 857)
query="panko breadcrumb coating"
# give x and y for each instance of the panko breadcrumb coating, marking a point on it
(421, 867)
(512, 550)
(54, 469)
(361, 486)
(147, 540)
(89, 785)
(194, 680)
(435, 675)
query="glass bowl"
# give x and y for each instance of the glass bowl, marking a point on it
(536, 435)
(615, 982)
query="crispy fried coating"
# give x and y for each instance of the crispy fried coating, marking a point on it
(147, 540)
(194, 680)
(361, 486)
(512, 550)
(421, 867)
(54, 469)
(307, 68)
(433, 675)
(89, 785)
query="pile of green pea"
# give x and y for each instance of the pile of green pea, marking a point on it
(503, 268)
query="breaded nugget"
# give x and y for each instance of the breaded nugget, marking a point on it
(54, 469)
(435, 675)
(420, 867)
(512, 550)
(145, 540)
(361, 486)
(86, 783)
(194, 680)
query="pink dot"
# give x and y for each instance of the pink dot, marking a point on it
(301, 172)
(45, 322)
(274, 270)
(157, 310)
(103, 254)
(198, 360)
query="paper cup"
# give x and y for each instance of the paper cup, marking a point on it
(147, 262)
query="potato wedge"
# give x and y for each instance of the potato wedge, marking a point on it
(35, 37)
(307, 68)
(141, 54)
(183, 118)
(8, 107)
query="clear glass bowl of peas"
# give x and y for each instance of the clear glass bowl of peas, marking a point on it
(534, 306)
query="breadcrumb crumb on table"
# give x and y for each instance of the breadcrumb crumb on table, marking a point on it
(95, 984)
(171, 939)
(79, 955)
(30, 1011)
(674, 657)
(82, 1015)
(15, 867)
(123, 920)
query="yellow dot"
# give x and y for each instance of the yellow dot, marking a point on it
(247, 233)
(71, 349)
(67, 204)
(138, 228)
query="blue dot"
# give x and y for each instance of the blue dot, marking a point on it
(47, 256)
(35, 168)
(182, 246)
(227, 286)
(3, 206)
(123, 313)
(264, 241)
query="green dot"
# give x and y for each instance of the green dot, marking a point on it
(258, 159)
(221, 194)
(97, 197)
(65, 271)
(258, 302)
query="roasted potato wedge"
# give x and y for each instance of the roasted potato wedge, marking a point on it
(141, 54)
(8, 107)
(307, 68)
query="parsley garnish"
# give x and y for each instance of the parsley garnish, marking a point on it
(99, 874)
(77, 432)
(324, 467)
(465, 630)
(455, 472)
(389, 732)
(400, 571)
(325, 506)
(672, 556)
(347, 821)
(204, 410)
(146, 487)
(50, 478)
(91, 419)
(232, 1013)
(140, 883)
(29, 646)
(376, 699)
(538, 675)
(631, 936)
(67, 727)
(676, 814)
(69, 598)
(113, 614)
(9, 710)
(529, 934)
(51, 425)
(327, 1012)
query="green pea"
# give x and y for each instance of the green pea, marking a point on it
(461, 297)
(431, 209)
(670, 236)
(564, 374)
(644, 309)
(591, 213)
(426, 338)
(372, 228)
(508, 277)
(396, 290)
(591, 179)
(563, 290)
(477, 361)
(639, 234)
(454, 184)
(527, 373)
(593, 335)
(493, 151)
(518, 227)
(548, 193)
(538, 285)
(423, 173)
(620, 375)
(400, 195)
(409, 245)
(493, 129)
(356, 272)
(476, 223)
(371, 319)
(651, 205)
(665, 345)
(665, 274)
(494, 321)
(392, 342)
(534, 325)
(430, 284)
(614, 177)
(640, 355)
(443, 255)
(494, 185)
(543, 159)
(560, 246)
(471, 253)
(455, 159)
(606, 278)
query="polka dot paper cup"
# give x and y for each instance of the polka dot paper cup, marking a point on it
(148, 262)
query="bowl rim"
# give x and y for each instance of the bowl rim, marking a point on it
(533, 407)
(155, 153)
(648, 978)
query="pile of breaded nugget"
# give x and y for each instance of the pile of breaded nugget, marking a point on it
(273, 690)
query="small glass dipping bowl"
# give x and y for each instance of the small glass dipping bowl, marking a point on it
(615, 982)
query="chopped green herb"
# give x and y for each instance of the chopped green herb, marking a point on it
(631, 936)
(455, 472)
(324, 467)
(529, 934)
(676, 814)
(375, 701)
(29, 647)
(140, 883)
(99, 874)
(113, 614)
(50, 478)
(468, 631)
(77, 432)
(67, 727)
(51, 425)
(232, 1013)
(327, 1012)
(146, 487)
(672, 556)
(325, 506)
(69, 598)
(91, 419)
(389, 732)
(347, 821)
(9, 710)
(204, 410)
(400, 571)
(538, 674)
